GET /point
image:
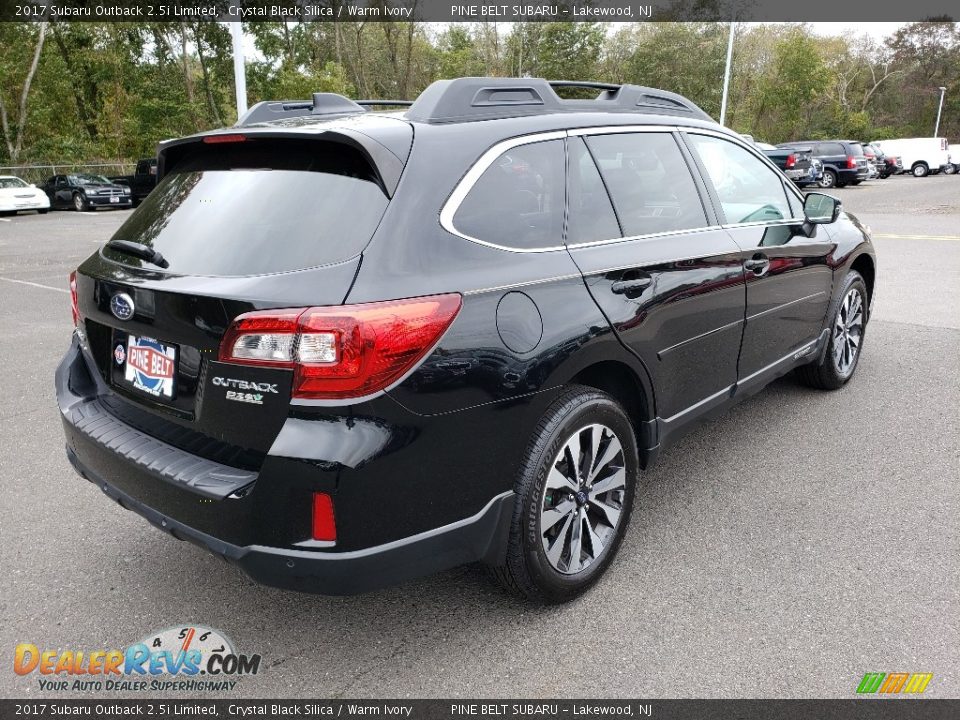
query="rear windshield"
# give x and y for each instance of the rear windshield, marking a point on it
(856, 149)
(262, 206)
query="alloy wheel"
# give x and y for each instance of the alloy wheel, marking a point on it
(848, 332)
(826, 180)
(583, 499)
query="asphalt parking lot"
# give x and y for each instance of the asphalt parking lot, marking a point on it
(783, 551)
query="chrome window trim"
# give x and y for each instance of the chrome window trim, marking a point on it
(467, 182)
(788, 187)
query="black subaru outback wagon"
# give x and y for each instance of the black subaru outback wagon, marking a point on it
(342, 348)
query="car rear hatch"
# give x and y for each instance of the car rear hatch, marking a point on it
(238, 223)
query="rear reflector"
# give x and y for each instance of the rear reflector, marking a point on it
(345, 351)
(324, 523)
(74, 301)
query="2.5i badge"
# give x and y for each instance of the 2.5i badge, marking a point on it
(150, 366)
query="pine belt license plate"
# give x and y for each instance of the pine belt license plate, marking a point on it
(149, 366)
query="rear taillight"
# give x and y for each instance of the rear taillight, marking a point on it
(74, 301)
(324, 521)
(851, 162)
(791, 161)
(344, 351)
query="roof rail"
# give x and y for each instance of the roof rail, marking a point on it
(485, 98)
(384, 103)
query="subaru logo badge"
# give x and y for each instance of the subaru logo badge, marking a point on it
(121, 305)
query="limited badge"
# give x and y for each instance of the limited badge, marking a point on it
(119, 355)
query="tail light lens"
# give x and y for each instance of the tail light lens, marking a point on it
(851, 162)
(791, 161)
(74, 301)
(344, 351)
(324, 521)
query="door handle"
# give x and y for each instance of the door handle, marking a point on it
(758, 264)
(631, 287)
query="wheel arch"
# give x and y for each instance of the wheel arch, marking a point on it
(622, 383)
(864, 265)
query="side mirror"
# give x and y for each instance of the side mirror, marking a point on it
(820, 209)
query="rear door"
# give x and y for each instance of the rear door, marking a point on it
(668, 279)
(789, 277)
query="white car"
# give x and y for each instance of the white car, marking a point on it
(17, 195)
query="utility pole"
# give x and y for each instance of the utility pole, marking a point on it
(936, 128)
(726, 75)
(239, 66)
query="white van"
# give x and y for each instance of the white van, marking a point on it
(920, 156)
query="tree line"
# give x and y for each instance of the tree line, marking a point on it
(80, 92)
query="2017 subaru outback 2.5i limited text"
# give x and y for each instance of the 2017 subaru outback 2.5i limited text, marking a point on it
(343, 348)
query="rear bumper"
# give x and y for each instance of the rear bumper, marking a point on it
(481, 537)
(246, 516)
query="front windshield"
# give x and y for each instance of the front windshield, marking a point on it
(11, 182)
(84, 178)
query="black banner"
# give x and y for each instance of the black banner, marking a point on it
(466, 11)
(877, 709)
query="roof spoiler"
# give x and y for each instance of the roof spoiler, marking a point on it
(385, 163)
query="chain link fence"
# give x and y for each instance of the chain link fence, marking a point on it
(38, 174)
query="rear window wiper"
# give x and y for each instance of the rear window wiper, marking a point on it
(144, 252)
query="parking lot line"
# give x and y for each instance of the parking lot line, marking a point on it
(33, 284)
(916, 237)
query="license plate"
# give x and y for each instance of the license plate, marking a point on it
(115, 199)
(150, 366)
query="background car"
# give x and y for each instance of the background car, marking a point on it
(84, 192)
(796, 163)
(143, 180)
(16, 195)
(843, 160)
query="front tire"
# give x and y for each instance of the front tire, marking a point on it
(574, 492)
(847, 327)
(79, 202)
(920, 169)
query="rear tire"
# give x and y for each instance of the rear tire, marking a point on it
(574, 492)
(848, 324)
(44, 211)
(828, 179)
(920, 169)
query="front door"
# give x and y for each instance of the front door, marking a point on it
(789, 277)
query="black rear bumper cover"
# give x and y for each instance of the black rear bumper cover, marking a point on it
(480, 537)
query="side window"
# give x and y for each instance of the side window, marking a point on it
(590, 215)
(649, 182)
(749, 190)
(518, 201)
(830, 149)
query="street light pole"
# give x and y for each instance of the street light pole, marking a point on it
(239, 66)
(936, 128)
(726, 75)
